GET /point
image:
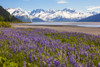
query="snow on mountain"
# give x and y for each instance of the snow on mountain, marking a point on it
(65, 13)
(49, 15)
(17, 11)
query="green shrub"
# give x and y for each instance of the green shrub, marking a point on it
(5, 25)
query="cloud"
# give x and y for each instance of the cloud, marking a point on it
(93, 8)
(62, 2)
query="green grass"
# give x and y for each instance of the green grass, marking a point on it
(4, 24)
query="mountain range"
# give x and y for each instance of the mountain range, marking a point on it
(41, 15)
(5, 16)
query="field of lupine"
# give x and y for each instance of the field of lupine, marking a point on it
(48, 48)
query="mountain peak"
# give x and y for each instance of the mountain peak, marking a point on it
(19, 8)
(37, 11)
(69, 10)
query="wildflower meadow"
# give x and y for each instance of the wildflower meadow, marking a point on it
(48, 48)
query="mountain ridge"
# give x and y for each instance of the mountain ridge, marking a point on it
(94, 18)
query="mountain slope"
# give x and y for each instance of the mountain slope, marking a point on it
(94, 18)
(37, 20)
(5, 16)
(24, 18)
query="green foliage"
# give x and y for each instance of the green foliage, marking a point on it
(6, 63)
(5, 25)
(1, 18)
(10, 17)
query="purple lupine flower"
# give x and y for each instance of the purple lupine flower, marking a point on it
(63, 65)
(56, 63)
(85, 53)
(35, 58)
(48, 61)
(14, 50)
(89, 63)
(99, 64)
(72, 60)
(19, 49)
(97, 58)
(30, 59)
(82, 65)
(24, 64)
(49, 65)
(10, 55)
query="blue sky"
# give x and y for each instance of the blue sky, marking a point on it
(52, 4)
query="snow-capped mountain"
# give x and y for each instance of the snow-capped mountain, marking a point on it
(66, 14)
(20, 14)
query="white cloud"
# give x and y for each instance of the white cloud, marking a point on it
(93, 8)
(62, 2)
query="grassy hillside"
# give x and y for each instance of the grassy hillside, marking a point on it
(5, 16)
